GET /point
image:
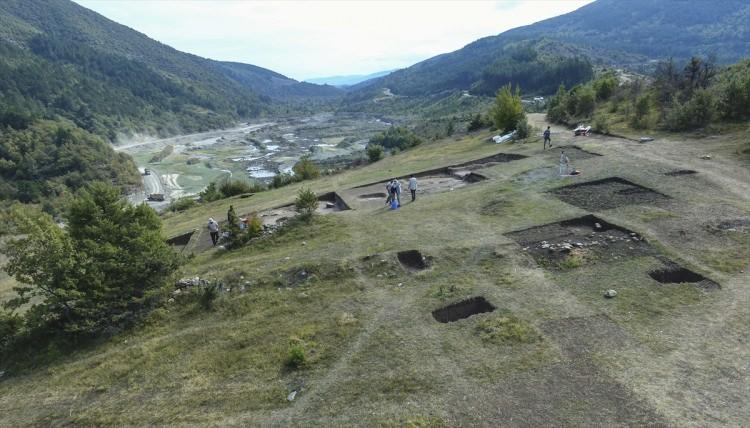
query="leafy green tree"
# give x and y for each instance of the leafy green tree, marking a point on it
(306, 203)
(605, 86)
(475, 123)
(508, 109)
(557, 111)
(523, 129)
(211, 193)
(697, 112)
(306, 168)
(641, 110)
(96, 274)
(374, 152)
(396, 137)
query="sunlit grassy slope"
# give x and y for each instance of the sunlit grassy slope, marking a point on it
(554, 352)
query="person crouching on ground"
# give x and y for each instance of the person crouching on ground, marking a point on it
(413, 187)
(213, 229)
(389, 190)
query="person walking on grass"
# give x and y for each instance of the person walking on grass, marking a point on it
(564, 163)
(213, 229)
(547, 139)
(397, 187)
(413, 187)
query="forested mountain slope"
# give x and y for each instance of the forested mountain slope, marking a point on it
(607, 32)
(59, 58)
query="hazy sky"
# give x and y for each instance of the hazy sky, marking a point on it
(306, 39)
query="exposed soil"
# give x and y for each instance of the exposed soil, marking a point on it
(574, 153)
(473, 177)
(463, 309)
(380, 195)
(538, 174)
(180, 240)
(436, 183)
(338, 203)
(675, 274)
(607, 193)
(327, 203)
(486, 162)
(588, 239)
(412, 259)
(460, 171)
(679, 172)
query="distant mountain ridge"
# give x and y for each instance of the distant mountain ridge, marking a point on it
(348, 80)
(108, 78)
(608, 32)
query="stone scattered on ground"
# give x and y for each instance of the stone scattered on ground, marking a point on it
(291, 396)
(190, 282)
(610, 294)
(592, 240)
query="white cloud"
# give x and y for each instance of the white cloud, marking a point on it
(304, 39)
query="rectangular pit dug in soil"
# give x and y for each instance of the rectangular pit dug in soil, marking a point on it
(680, 172)
(180, 240)
(461, 171)
(463, 309)
(574, 153)
(412, 259)
(583, 240)
(333, 198)
(673, 273)
(607, 193)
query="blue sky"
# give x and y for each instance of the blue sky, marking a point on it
(306, 39)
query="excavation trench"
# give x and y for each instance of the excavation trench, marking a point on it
(675, 274)
(608, 193)
(180, 240)
(680, 172)
(412, 259)
(463, 309)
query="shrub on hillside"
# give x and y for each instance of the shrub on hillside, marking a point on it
(283, 179)
(296, 356)
(396, 138)
(306, 169)
(231, 188)
(182, 204)
(476, 123)
(228, 188)
(523, 129)
(605, 86)
(508, 109)
(601, 124)
(695, 113)
(306, 202)
(97, 274)
(374, 152)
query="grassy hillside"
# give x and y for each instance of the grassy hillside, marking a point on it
(554, 351)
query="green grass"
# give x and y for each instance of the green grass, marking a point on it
(328, 311)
